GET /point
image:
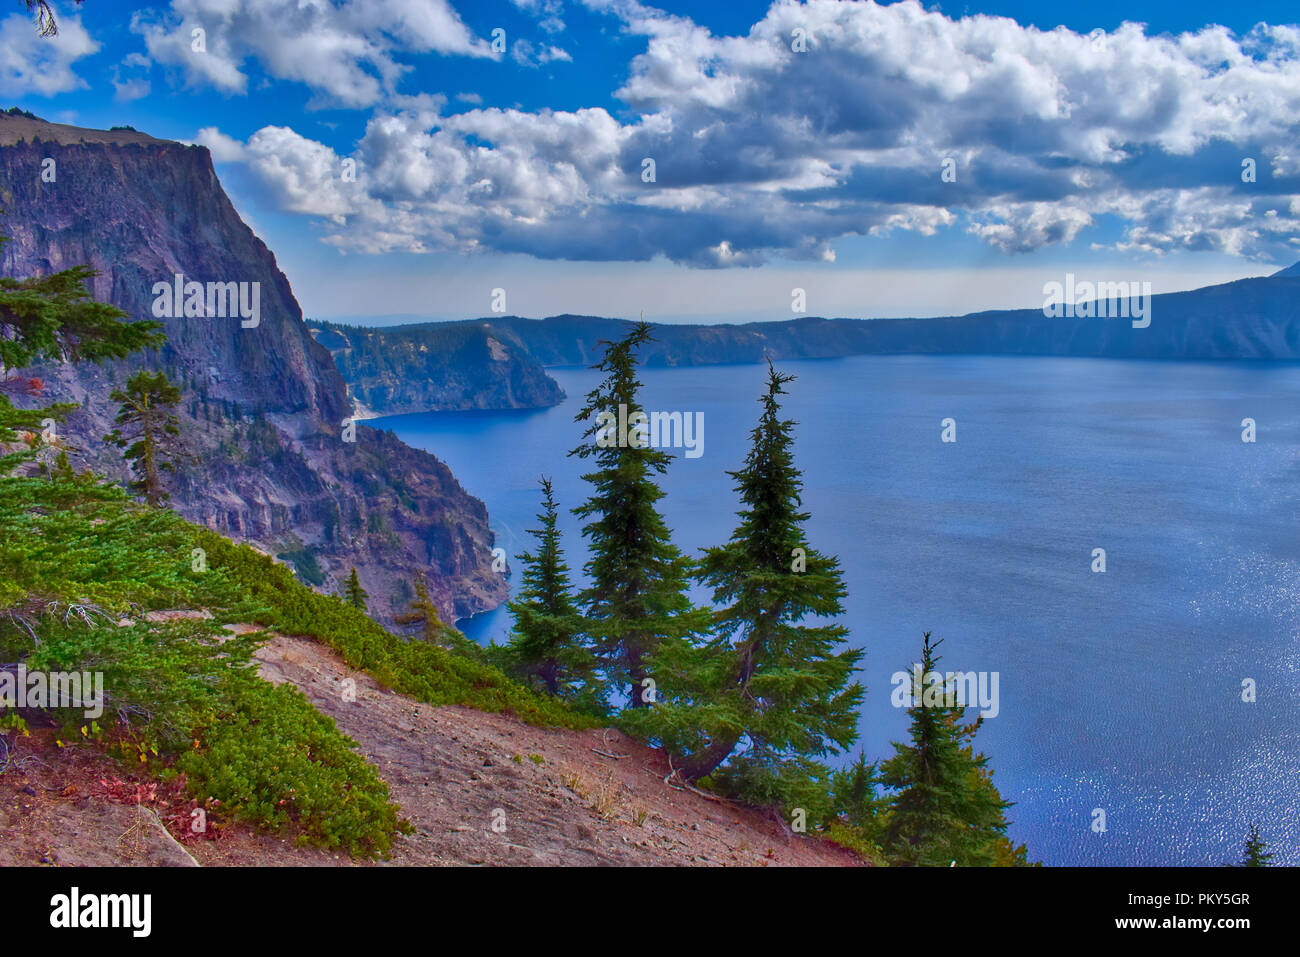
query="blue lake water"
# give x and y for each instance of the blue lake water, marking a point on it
(1120, 691)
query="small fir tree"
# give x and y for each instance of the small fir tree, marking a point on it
(547, 642)
(1257, 853)
(423, 614)
(354, 594)
(147, 426)
(945, 809)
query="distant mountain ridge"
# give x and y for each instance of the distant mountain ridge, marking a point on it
(471, 366)
(1246, 319)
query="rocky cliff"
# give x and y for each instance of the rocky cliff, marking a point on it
(268, 457)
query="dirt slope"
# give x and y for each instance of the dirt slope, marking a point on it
(456, 771)
(480, 789)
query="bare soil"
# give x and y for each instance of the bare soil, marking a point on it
(479, 789)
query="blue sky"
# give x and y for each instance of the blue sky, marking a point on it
(398, 163)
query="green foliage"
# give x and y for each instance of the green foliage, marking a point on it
(264, 752)
(354, 594)
(946, 808)
(269, 756)
(781, 686)
(147, 424)
(856, 797)
(547, 643)
(77, 540)
(53, 317)
(76, 557)
(1256, 853)
(420, 669)
(638, 595)
(305, 565)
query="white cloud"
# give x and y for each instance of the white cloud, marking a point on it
(41, 66)
(527, 53)
(131, 78)
(224, 149)
(547, 13)
(348, 51)
(760, 150)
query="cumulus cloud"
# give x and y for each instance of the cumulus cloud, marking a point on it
(832, 119)
(41, 66)
(224, 149)
(348, 52)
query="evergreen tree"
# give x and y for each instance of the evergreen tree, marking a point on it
(423, 613)
(639, 580)
(946, 808)
(856, 797)
(547, 642)
(53, 317)
(781, 685)
(354, 594)
(1257, 852)
(148, 415)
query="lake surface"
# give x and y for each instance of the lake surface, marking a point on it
(1119, 690)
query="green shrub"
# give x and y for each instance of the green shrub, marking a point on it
(272, 758)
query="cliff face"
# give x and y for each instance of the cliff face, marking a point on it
(263, 413)
(437, 367)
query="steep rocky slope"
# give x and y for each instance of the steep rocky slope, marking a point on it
(268, 457)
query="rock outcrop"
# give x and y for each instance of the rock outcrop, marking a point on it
(267, 451)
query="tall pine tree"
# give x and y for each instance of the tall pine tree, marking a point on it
(946, 809)
(547, 643)
(769, 678)
(639, 580)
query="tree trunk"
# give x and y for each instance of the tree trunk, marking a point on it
(636, 674)
(707, 761)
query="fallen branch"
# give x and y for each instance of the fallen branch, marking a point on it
(683, 786)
